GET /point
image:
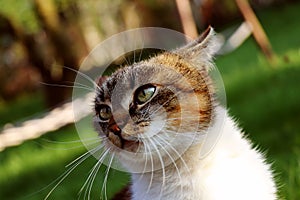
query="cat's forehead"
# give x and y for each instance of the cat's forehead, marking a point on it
(121, 84)
(166, 69)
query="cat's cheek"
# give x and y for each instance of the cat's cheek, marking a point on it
(131, 131)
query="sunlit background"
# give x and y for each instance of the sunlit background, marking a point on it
(259, 63)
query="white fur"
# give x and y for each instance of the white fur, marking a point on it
(233, 170)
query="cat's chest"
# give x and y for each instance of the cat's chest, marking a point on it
(174, 184)
(232, 171)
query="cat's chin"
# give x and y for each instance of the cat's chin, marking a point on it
(131, 146)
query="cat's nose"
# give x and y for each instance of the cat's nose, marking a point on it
(120, 118)
(113, 127)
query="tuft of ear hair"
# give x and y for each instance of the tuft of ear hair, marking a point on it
(203, 48)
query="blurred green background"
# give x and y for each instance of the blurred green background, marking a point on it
(263, 97)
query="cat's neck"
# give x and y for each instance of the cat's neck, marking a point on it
(232, 170)
(171, 182)
(174, 180)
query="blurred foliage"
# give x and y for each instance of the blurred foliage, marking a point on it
(265, 99)
(53, 34)
(20, 12)
(44, 36)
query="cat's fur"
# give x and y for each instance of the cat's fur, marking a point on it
(185, 102)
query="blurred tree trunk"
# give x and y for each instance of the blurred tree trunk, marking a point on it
(58, 43)
(258, 31)
(218, 13)
(67, 47)
(187, 19)
(14, 80)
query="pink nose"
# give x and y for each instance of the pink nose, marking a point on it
(113, 127)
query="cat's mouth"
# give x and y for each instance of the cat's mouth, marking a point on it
(118, 140)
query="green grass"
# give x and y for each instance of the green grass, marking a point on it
(24, 107)
(29, 170)
(265, 99)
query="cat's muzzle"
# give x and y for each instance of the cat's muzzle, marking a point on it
(115, 136)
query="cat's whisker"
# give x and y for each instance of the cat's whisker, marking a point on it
(61, 179)
(92, 174)
(97, 138)
(72, 166)
(162, 165)
(126, 60)
(172, 160)
(77, 142)
(136, 48)
(81, 85)
(66, 148)
(140, 56)
(144, 154)
(67, 86)
(152, 165)
(175, 151)
(139, 141)
(100, 163)
(106, 177)
(143, 44)
(83, 75)
(134, 55)
(47, 146)
(92, 151)
(162, 105)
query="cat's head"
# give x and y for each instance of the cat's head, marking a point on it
(161, 104)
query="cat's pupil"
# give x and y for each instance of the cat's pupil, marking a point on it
(145, 93)
(104, 112)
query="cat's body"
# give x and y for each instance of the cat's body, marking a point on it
(232, 171)
(157, 115)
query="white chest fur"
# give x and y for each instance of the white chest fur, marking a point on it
(232, 171)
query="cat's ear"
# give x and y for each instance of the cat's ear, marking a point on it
(203, 48)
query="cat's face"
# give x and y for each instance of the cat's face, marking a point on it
(162, 103)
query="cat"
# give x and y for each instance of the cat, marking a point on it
(155, 116)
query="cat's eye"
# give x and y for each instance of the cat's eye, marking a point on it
(104, 112)
(144, 93)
